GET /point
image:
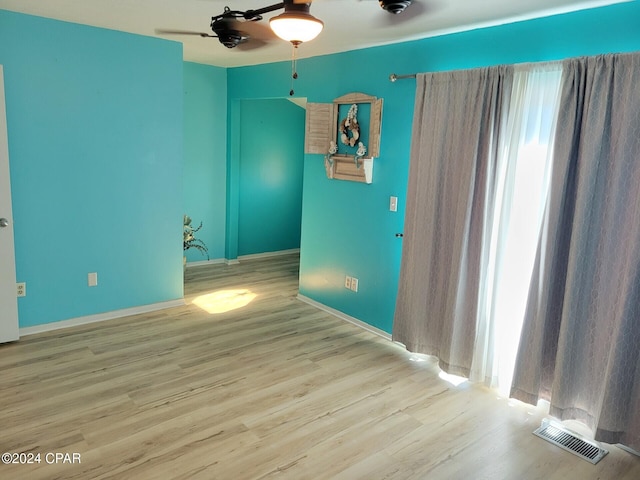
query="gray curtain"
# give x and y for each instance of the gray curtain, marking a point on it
(451, 177)
(580, 345)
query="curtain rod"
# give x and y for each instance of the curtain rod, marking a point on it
(393, 77)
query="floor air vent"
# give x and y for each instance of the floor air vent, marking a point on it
(571, 441)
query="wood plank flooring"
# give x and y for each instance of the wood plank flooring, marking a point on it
(274, 389)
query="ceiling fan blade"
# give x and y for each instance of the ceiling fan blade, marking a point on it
(255, 30)
(161, 31)
(251, 44)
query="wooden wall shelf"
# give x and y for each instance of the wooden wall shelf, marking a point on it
(345, 167)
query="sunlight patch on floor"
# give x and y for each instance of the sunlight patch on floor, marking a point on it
(223, 301)
(416, 357)
(454, 380)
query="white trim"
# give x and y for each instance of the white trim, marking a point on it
(268, 254)
(628, 449)
(205, 262)
(100, 317)
(236, 261)
(345, 317)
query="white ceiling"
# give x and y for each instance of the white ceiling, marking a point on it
(349, 24)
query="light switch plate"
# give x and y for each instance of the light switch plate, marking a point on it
(393, 204)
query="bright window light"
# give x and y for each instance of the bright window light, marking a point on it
(454, 380)
(418, 358)
(223, 301)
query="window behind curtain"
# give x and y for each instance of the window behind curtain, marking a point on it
(479, 175)
(524, 160)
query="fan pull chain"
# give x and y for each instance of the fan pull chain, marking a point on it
(294, 66)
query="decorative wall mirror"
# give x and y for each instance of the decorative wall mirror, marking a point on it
(347, 133)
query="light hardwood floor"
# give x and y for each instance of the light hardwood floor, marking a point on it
(275, 389)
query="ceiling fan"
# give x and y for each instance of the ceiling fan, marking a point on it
(229, 30)
(395, 7)
(235, 28)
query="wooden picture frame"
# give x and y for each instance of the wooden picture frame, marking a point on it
(322, 128)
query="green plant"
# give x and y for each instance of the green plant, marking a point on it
(189, 239)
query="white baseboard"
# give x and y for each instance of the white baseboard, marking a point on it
(100, 317)
(628, 449)
(345, 317)
(268, 254)
(236, 261)
(215, 261)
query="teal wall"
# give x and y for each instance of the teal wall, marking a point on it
(96, 121)
(346, 227)
(205, 155)
(95, 143)
(270, 175)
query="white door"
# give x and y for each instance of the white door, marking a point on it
(8, 299)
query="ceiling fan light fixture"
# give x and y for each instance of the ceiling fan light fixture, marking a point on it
(296, 24)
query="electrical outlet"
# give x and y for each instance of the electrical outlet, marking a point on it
(92, 279)
(347, 282)
(21, 289)
(354, 284)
